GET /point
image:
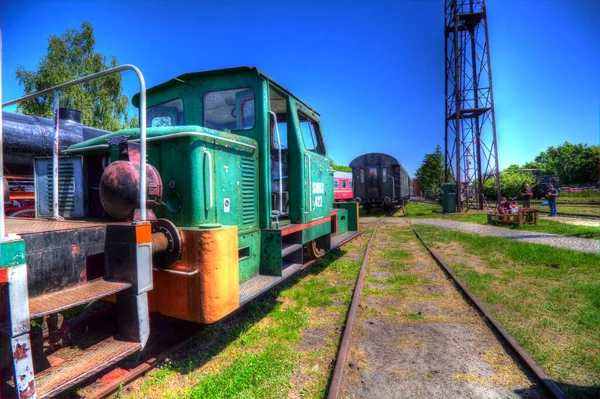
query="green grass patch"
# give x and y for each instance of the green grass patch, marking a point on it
(413, 316)
(547, 298)
(250, 375)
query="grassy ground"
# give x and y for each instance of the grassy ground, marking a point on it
(280, 346)
(422, 210)
(547, 298)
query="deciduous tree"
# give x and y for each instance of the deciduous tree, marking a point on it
(72, 55)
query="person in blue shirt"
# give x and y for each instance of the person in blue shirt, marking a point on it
(551, 194)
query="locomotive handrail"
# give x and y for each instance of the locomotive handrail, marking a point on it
(280, 166)
(211, 201)
(2, 230)
(55, 90)
(309, 182)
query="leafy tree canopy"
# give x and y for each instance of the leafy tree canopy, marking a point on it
(341, 168)
(70, 56)
(431, 171)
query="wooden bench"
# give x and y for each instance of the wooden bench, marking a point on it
(525, 215)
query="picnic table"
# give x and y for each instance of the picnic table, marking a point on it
(525, 215)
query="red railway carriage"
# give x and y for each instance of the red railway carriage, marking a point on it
(342, 186)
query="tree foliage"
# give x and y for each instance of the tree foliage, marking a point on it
(341, 168)
(71, 56)
(511, 183)
(431, 171)
(574, 164)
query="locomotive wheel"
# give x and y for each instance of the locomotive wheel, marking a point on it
(315, 251)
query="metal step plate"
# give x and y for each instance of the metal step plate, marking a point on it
(71, 297)
(258, 285)
(93, 360)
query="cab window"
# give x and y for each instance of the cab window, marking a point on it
(165, 114)
(231, 109)
(311, 134)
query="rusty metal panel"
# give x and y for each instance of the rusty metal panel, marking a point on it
(29, 226)
(23, 367)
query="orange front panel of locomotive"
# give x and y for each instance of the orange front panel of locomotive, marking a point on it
(203, 286)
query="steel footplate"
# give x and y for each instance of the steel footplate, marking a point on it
(340, 240)
(71, 297)
(93, 360)
(260, 284)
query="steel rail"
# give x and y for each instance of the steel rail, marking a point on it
(547, 383)
(573, 215)
(340, 362)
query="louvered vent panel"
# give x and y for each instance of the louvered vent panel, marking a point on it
(70, 187)
(249, 208)
(66, 187)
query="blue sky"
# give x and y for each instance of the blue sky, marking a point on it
(373, 69)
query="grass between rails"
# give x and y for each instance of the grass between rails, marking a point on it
(279, 346)
(423, 210)
(547, 298)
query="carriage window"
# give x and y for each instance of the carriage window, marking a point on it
(349, 183)
(384, 175)
(344, 184)
(229, 109)
(166, 114)
(362, 176)
(311, 135)
(336, 184)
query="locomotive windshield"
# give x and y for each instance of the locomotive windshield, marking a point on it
(165, 114)
(231, 109)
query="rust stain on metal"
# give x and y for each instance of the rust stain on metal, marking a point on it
(29, 391)
(20, 352)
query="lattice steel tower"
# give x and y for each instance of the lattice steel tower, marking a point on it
(471, 151)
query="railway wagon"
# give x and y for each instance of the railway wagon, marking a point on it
(239, 196)
(342, 186)
(26, 137)
(380, 181)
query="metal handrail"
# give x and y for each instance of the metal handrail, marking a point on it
(2, 228)
(280, 165)
(309, 182)
(393, 187)
(55, 90)
(211, 201)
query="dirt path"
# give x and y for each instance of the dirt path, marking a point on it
(553, 240)
(416, 337)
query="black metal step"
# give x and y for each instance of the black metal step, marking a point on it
(71, 297)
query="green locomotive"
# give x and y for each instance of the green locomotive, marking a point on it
(246, 183)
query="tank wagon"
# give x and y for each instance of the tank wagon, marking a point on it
(380, 181)
(26, 137)
(239, 195)
(342, 186)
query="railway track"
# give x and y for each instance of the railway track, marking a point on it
(506, 339)
(574, 215)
